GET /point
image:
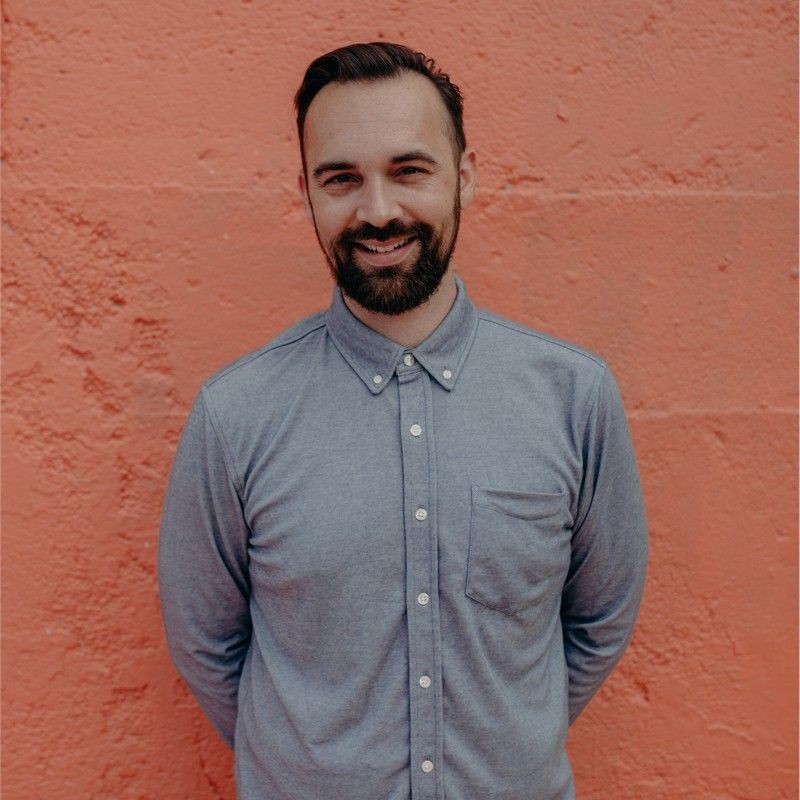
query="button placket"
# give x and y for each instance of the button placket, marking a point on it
(421, 581)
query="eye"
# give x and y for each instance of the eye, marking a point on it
(339, 180)
(410, 170)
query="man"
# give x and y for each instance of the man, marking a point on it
(403, 543)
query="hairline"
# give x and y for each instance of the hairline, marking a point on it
(450, 128)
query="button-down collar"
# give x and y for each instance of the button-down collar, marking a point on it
(374, 357)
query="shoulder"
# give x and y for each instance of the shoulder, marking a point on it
(257, 369)
(520, 341)
(552, 369)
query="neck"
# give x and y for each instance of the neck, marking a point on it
(415, 325)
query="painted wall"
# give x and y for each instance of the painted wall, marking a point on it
(638, 171)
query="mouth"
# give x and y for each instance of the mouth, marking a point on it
(382, 255)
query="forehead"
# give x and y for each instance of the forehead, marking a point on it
(359, 120)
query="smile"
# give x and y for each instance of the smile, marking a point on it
(385, 255)
(388, 249)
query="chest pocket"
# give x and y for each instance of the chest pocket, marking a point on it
(519, 548)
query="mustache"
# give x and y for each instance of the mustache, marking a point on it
(390, 231)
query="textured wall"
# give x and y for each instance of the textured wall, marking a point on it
(637, 196)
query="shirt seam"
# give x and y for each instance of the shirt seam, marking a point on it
(543, 336)
(267, 348)
(233, 476)
(593, 402)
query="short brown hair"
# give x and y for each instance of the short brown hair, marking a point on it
(365, 62)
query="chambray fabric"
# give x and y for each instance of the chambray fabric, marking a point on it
(387, 580)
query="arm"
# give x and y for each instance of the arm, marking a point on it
(604, 586)
(202, 571)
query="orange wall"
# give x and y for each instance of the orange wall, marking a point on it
(637, 196)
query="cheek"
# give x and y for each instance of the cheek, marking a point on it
(441, 217)
(440, 207)
(330, 223)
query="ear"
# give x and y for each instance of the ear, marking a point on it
(468, 172)
(301, 185)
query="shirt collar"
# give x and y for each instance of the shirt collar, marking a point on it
(374, 358)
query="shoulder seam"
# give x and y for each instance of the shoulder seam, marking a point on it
(269, 347)
(592, 402)
(543, 336)
(227, 458)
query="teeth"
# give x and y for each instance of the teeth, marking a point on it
(385, 249)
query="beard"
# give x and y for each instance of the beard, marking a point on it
(397, 288)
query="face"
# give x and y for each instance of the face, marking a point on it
(384, 190)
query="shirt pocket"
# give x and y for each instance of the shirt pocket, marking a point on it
(519, 548)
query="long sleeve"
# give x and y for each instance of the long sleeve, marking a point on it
(604, 587)
(203, 571)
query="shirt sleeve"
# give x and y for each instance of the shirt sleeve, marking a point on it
(605, 583)
(203, 571)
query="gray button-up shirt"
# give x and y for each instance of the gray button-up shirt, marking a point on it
(391, 573)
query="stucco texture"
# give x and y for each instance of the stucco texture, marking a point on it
(637, 195)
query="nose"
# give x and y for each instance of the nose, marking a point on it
(378, 204)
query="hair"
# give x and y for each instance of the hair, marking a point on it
(373, 61)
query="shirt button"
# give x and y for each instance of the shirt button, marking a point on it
(422, 598)
(420, 514)
(377, 379)
(447, 374)
(425, 681)
(408, 359)
(415, 429)
(426, 765)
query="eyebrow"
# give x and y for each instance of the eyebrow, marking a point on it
(332, 166)
(411, 155)
(415, 155)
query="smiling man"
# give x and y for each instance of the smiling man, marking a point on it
(385, 190)
(404, 542)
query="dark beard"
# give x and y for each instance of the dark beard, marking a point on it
(393, 289)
